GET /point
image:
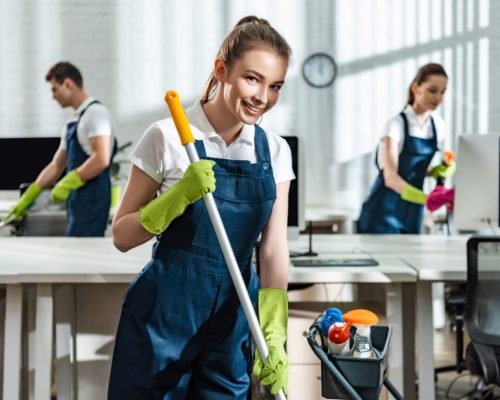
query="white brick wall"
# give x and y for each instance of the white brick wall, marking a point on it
(131, 52)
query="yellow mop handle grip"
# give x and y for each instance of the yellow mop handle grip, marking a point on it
(179, 117)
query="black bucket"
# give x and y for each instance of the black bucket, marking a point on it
(353, 378)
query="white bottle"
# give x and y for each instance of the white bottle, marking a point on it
(362, 344)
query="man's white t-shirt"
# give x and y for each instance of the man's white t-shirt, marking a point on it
(160, 154)
(96, 121)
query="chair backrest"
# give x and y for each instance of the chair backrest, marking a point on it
(483, 290)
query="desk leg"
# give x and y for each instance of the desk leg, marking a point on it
(43, 341)
(12, 351)
(401, 316)
(425, 341)
(65, 314)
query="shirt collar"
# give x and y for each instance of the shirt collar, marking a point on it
(412, 116)
(84, 105)
(198, 118)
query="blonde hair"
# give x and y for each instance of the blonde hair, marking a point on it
(249, 33)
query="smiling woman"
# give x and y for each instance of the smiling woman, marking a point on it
(249, 88)
(200, 348)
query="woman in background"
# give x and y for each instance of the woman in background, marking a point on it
(395, 204)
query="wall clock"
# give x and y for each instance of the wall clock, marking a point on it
(319, 70)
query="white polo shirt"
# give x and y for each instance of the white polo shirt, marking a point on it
(96, 121)
(416, 128)
(160, 154)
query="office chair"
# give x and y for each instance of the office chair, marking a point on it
(483, 312)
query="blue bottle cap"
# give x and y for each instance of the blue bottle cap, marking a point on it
(331, 315)
(336, 312)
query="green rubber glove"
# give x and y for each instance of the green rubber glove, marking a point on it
(443, 170)
(198, 180)
(273, 317)
(24, 202)
(413, 195)
(62, 189)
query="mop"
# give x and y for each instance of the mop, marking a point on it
(187, 140)
(6, 221)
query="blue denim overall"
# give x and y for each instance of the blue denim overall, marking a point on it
(87, 207)
(182, 332)
(384, 211)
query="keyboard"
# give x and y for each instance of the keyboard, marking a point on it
(334, 262)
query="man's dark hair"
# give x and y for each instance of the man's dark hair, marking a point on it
(62, 70)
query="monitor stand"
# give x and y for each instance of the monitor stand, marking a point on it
(310, 252)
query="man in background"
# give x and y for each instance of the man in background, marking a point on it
(85, 152)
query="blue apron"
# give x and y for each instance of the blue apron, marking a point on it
(182, 332)
(87, 207)
(384, 211)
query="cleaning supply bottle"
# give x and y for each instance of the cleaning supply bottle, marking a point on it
(338, 338)
(362, 320)
(448, 159)
(330, 316)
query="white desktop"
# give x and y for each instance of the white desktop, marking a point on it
(476, 183)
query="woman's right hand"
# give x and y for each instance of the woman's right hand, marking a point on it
(198, 180)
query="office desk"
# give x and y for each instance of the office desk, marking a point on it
(434, 258)
(438, 267)
(400, 245)
(400, 281)
(44, 261)
(12, 332)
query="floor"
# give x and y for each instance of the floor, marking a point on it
(449, 384)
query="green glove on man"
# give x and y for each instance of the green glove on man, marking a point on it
(443, 170)
(273, 317)
(62, 189)
(198, 180)
(413, 195)
(24, 202)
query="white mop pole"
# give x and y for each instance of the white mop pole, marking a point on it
(187, 139)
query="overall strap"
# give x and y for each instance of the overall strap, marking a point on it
(434, 132)
(86, 108)
(200, 148)
(406, 127)
(261, 144)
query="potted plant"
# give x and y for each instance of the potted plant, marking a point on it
(117, 176)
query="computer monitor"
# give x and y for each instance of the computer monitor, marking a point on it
(476, 183)
(22, 159)
(295, 196)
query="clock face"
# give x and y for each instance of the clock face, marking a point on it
(319, 70)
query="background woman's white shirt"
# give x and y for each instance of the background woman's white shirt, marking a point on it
(160, 154)
(395, 130)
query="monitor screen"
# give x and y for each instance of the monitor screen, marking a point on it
(295, 211)
(476, 183)
(22, 159)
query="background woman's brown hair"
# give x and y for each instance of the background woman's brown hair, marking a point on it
(422, 75)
